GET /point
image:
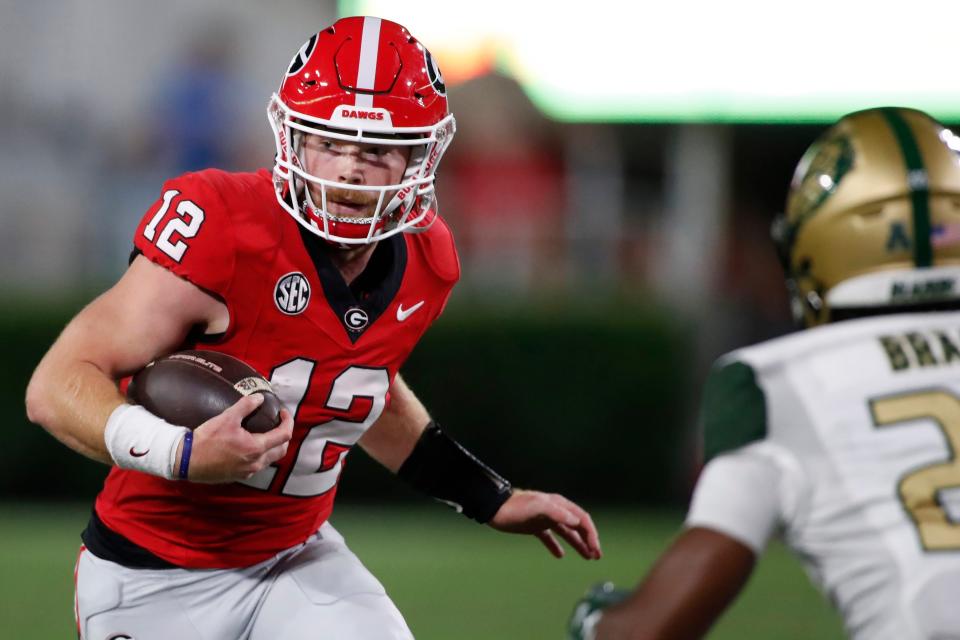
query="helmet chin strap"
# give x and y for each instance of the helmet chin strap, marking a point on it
(309, 205)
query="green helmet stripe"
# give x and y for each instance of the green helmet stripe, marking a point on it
(917, 182)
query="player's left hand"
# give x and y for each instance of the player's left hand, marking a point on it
(546, 514)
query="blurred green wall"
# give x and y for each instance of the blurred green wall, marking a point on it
(591, 403)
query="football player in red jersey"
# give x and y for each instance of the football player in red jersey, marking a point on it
(322, 275)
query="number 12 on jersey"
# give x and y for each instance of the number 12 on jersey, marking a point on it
(319, 459)
(186, 226)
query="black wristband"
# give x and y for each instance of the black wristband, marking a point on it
(441, 468)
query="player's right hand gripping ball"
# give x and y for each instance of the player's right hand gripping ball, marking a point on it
(188, 388)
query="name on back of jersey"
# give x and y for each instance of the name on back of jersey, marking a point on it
(919, 349)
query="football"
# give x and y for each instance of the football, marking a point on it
(188, 388)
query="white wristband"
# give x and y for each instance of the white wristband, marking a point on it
(139, 440)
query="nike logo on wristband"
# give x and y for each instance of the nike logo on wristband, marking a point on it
(138, 454)
(450, 503)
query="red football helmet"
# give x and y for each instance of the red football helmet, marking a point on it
(363, 80)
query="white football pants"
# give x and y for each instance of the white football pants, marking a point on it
(316, 591)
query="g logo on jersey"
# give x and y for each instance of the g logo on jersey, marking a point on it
(433, 73)
(292, 293)
(356, 319)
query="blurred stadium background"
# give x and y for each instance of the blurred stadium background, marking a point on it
(611, 186)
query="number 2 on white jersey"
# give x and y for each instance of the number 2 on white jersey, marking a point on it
(316, 468)
(175, 225)
(919, 489)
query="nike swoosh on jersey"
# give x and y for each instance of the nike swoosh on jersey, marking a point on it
(138, 454)
(403, 314)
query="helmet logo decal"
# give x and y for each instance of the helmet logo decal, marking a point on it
(898, 239)
(433, 73)
(292, 293)
(820, 172)
(302, 56)
(356, 319)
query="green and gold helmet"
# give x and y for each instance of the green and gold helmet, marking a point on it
(873, 217)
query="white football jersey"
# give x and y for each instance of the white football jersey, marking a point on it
(845, 439)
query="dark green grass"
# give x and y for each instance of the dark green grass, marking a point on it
(451, 578)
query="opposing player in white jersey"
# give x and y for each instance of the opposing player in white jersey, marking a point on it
(843, 437)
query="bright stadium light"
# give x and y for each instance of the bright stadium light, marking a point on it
(695, 60)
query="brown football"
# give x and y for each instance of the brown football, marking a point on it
(188, 388)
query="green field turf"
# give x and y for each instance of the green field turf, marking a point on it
(451, 578)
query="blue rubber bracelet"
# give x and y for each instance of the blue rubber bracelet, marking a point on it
(185, 456)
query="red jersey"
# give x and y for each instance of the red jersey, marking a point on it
(330, 357)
